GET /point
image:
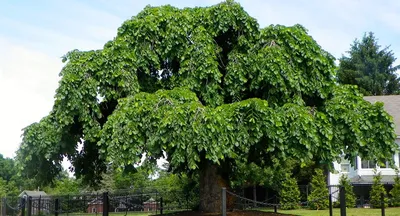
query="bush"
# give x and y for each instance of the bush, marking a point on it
(289, 194)
(395, 192)
(350, 196)
(376, 191)
(318, 199)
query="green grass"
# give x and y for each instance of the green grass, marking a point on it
(336, 212)
(299, 212)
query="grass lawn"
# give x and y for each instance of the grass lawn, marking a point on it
(299, 212)
(350, 212)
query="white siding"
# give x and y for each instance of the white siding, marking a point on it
(333, 178)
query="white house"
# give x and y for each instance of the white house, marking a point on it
(361, 175)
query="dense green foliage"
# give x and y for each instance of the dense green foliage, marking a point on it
(370, 67)
(289, 193)
(344, 181)
(64, 186)
(395, 192)
(10, 182)
(202, 86)
(318, 198)
(376, 191)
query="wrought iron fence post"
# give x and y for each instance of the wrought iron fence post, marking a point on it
(342, 194)
(276, 204)
(223, 201)
(105, 204)
(56, 207)
(126, 205)
(29, 207)
(161, 205)
(22, 201)
(156, 203)
(39, 204)
(383, 204)
(330, 205)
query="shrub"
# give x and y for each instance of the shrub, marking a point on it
(376, 191)
(350, 196)
(289, 193)
(395, 192)
(318, 198)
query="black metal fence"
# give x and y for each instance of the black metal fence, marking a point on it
(150, 201)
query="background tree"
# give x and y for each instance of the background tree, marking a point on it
(289, 193)
(3, 188)
(137, 179)
(177, 189)
(370, 67)
(344, 181)
(64, 186)
(208, 89)
(318, 198)
(395, 192)
(7, 168)
(8, 188)
(376, 190)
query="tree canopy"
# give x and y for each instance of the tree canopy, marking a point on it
(207, 88)
(369, 67)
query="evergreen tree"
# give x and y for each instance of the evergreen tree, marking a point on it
(289, 193)
(318, 199)
(370, 68)
(350, 196)
(376, 191)
(395, 192)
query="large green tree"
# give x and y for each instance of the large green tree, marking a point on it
(209, 89)
(369, 67)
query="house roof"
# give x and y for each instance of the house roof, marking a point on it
(33, 193)
(96, 201)
(391, 105)
(369, 179)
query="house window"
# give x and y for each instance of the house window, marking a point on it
(368, 164)
(385, 165)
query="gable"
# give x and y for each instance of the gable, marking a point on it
(33, 193)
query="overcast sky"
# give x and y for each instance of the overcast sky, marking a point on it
(35, 34)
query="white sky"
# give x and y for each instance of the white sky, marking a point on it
(35, 34)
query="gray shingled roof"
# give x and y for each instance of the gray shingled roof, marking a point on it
(391, 105)
(369, 179)
(33, 193)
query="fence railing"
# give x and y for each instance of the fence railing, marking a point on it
(335, 192)
(152, 201)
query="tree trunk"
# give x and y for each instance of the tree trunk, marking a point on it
(255, 195)
(211, 184)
